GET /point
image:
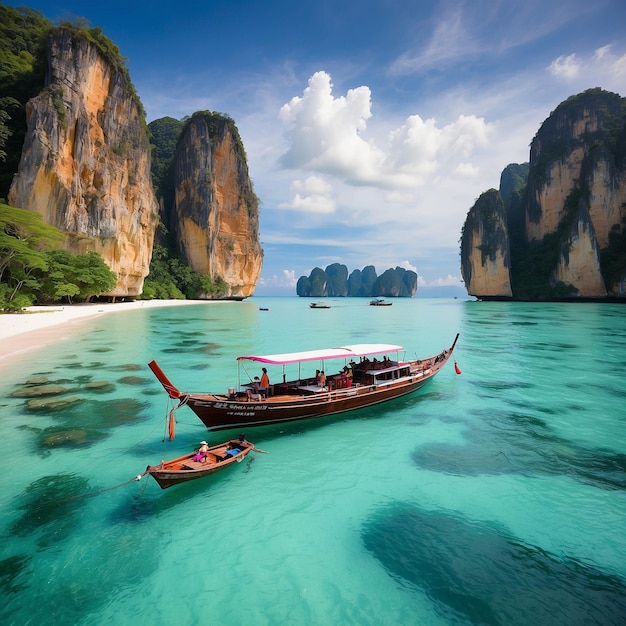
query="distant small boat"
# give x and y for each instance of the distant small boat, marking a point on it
(380, 302)
(319, 305)
(184, 468)
(263, 308)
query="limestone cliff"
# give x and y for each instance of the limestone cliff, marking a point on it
(572, 154)
(579, 261)
(566, 230)
(85, 163)
(485, 248)
(215, 214)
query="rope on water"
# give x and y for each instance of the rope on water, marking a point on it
(92, 494)
(136, 444)
(127, 482)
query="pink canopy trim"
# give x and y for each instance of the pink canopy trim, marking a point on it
(345, 352)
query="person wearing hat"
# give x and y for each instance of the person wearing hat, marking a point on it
(202, 453)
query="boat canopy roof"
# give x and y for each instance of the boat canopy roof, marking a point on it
(345, 352)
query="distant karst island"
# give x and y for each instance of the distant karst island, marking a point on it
(335, 282)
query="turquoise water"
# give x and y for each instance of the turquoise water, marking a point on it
(493, 497)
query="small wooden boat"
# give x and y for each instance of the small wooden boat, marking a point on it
(185, 468)
(263, 308)
(380, 302)
(360, 381)
(319, 305)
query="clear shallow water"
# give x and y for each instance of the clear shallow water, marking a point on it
(494, 497)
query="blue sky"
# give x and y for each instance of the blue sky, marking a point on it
(371, 127)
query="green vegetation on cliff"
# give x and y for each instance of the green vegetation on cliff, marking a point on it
(536, 260)
(613, 257)
(170, 275)
(27, 39)
(108, 50)
(171, 278)
(23, 34)
(164, 134)
(34, 271)
(217, 125)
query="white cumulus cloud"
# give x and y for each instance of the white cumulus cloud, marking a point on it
(448, 281)
(467, 169)
(602, 68)
(407, 265)
(287, 280)
(312, 195)
(323, 131)
(327, 135)
(567, 67)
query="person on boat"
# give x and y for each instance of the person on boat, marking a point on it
(253, 393)
(317, 377)
(322, 380)
(264, 385)
(202, 453)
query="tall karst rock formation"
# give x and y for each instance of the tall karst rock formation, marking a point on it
(85, 164)
(215, 217)
(486, 256)
(559, 232)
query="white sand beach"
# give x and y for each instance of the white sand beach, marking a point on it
(42, 325)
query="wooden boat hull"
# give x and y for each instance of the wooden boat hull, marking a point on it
(218, 413)
(222, 412)
(184, 468)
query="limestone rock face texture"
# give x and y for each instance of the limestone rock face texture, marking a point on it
(85, 164)
(579, 260)
(558, 232)
(485, 264)
(215, 215)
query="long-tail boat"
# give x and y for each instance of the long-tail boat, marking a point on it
(363, 381)
(191, 467)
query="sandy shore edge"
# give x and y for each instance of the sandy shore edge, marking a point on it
(43, 325)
